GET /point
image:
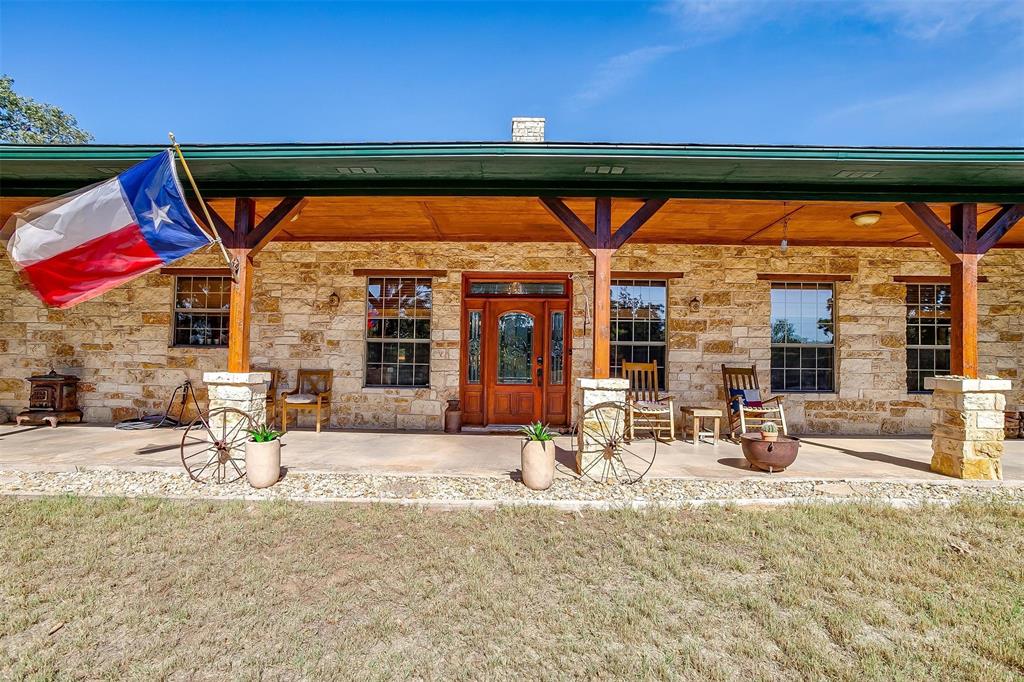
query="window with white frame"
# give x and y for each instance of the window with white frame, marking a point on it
(201, 310)
(928, 333)
(398, 331)
(803, 337)
(639, 320)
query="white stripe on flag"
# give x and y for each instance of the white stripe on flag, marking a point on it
(54, 227)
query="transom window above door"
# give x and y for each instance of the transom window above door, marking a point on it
(516, 287)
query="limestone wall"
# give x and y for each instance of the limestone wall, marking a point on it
(119, 343)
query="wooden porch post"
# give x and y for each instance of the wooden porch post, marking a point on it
(240, 310)
(602, 245)
(962, 245)
(244, 241)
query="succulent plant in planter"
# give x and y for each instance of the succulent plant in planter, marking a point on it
(263, 457)
(769, 431)
(538, 456)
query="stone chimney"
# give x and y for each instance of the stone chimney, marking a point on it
(527, 129)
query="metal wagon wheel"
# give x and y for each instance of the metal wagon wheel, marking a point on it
(213, 446)
(603, 449)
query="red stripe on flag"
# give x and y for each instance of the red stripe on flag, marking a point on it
(91, 268)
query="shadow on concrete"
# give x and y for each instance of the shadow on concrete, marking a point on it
(566, 458)
(874, 456)
(736, 463)
(34, 427)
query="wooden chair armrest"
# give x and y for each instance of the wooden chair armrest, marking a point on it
(777, 399)
(323, 397)
(291, 392)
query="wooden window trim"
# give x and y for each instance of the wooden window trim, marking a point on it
(802, 277)
(196, 272)
(927, 279)
(641, 274)
(384, 272)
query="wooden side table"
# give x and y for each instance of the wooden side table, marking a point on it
(697, 415)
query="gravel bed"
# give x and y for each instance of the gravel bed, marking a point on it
(489, 491)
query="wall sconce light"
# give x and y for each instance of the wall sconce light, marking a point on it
(866, 218)
(695, 305)
(333, 299)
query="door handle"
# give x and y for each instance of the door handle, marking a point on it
(540, 376)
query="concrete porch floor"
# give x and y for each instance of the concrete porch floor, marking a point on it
(71, 446)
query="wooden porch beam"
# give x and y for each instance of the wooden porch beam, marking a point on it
(636, 221)
(931, 227)
(997, 227)
(602, 244)
(220, 226)
(285, 212)
(580, 231)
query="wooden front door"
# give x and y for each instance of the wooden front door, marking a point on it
(514, 353)
(515, 358)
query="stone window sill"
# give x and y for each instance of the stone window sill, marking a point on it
(394, 390)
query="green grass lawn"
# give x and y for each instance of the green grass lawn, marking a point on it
(151, 589)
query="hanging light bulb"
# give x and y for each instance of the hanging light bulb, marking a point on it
(784, 245)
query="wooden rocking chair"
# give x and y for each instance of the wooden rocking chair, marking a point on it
(312, 392)
(743, 402)
(644, 399)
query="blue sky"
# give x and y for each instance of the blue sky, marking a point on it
(924, 72)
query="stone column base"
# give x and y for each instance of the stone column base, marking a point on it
(245, 391)
(967, 434)
(590, 436)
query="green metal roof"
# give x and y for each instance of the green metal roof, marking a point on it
(566, 169)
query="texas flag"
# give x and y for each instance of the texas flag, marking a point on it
(79, 245)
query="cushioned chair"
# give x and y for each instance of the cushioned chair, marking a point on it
(272, 398)
(745, 406)
(312, 393)
(644, 400)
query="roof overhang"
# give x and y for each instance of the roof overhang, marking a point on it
(994, 175)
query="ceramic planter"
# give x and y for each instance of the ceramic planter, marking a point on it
(538, 464)
(770, 436)
(263, 463)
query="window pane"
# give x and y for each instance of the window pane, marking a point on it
(515, 348)
(557, 342)
(398, 308)
(928, 333)
(802, 332)
(638, 311)
(473, 371)
(201, 311)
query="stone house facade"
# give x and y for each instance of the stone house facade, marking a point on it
(120, 343)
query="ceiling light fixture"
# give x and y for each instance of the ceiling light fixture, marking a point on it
(866, 218)
(605, 170)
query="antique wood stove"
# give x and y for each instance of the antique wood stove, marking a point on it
(53, 398)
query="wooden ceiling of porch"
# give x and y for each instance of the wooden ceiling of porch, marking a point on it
(524, 219)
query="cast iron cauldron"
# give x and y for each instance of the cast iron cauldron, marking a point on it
(770, 456)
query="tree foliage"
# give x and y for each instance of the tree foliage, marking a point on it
(24, 120)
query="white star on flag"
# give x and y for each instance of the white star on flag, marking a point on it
(158, 214)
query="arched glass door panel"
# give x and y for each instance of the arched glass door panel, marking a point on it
(515, 348)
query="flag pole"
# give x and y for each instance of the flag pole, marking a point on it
(206, 211)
